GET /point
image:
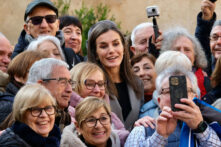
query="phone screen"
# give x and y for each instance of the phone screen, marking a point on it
(178, 90)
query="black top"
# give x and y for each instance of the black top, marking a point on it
(123, 98)
(109, 143)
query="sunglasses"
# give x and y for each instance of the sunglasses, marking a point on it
(36, 20)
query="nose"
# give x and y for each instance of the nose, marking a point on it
(68, 88)
(43, 113)
(96, 88)
(98, 124)
(44, 23)
(219, 40)
(73, 35)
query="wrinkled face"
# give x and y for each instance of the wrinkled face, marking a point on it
(142, 39)
(146, 71)
(99, 134)
(110, 50)
(60, 91)
(5, 54)
(185, 46)
(215, 42)
(73, 37)
(88, 90)
(51, 49)
(164, 98)
(42, 124)
(44, 28)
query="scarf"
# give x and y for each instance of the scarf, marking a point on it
(34, 139)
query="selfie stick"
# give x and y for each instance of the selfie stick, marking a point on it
(155, 28)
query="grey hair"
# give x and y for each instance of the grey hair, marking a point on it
(216, 23)
(138, 27)
(43, 69)
(172, 71)
(172, 58)
(169, 38)
(36, 43)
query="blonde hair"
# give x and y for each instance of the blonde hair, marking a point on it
(88, 106)
(81, 71)
(30, 95)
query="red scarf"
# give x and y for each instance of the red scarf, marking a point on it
(200, 81)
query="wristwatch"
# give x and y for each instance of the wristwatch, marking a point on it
(201, 127)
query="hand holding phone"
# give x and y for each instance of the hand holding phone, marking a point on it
(178, 90)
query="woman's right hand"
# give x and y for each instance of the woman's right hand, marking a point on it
(207, 8)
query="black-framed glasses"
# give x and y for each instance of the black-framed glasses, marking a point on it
(90, 84)
(92, 121)
(215, 37)
(36, 20)
(36, 111)
(62, 81)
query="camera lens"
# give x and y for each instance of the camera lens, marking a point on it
(153, 10)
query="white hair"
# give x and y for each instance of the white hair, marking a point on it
(138, 27)
(43, 69)
(172, 58)
(36, 43)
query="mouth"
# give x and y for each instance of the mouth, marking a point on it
(99, 134)
(112, 58)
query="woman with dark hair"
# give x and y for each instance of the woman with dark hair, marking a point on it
(72, 29)
(107, 48)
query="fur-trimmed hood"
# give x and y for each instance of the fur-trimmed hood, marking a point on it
(70, 138)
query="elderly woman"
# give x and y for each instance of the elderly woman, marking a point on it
(107, 49)
(49, 45)
(92, 126)
(179, 39)
(90, 81)
(72, 29)
(18, 70)
(34, 114)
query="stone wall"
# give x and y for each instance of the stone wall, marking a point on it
(129, 12)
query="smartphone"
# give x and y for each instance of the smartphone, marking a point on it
(213, 1)
(178, 90)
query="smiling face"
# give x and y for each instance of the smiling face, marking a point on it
(73, 37)
(185, 46)
(96, 77)
(145, 70)
(110, 50)
(99, 134)
(44, 28)
(215, 45)
(51, 49)
(60, 91)
(42, 124)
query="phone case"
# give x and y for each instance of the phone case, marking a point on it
(178, 90)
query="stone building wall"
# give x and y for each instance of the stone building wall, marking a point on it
(129, 12)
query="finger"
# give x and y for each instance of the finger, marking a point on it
(188, 102)
(182, 115)
(150, 124)
(166, 114)
(166, 108)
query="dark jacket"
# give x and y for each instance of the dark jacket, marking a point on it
(202, 32)
(6, 100)
(21, 135)
(25, 39)
(213, 95)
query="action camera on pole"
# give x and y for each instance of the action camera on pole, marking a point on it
(152, 11)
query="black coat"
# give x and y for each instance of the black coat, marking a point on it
(21, 135)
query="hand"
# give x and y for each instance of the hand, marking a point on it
(207, 8)
(190, 113)
(157, 42)
(145, 121)
(166, 123)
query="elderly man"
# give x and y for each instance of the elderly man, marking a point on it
(5, 54)
(169, 126)
(55, 76)
(41, 18)
(140, 37)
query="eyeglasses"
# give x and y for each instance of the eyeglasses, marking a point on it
(90, 84)
(215, 37)
(166, 91)
(62, 81)
(92, 122)
(36, 20)
(36, 111)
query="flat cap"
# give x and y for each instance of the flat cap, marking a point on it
(35, 3)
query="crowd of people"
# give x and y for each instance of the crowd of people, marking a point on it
(120, 93)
